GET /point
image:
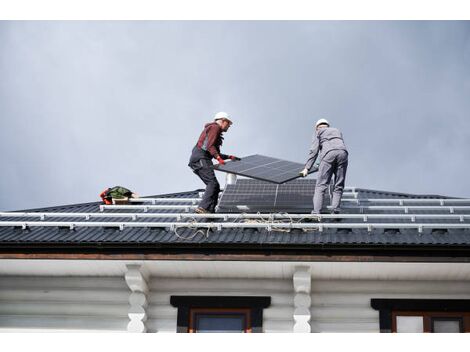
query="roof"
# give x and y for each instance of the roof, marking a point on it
(373, 222)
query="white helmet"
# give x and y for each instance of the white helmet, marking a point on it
(322, 122)
(222, 115)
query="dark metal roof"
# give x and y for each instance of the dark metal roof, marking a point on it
(81, 238)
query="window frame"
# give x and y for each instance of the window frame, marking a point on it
(192, 328)
(251, 305)
(389, 309)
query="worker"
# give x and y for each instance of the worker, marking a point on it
(206, 148)
(328, 142)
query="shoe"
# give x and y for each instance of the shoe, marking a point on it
(200, 210)
(335, 212)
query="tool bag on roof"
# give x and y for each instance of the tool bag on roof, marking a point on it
(116, 192)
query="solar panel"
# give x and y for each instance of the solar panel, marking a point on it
(263, 168)
(258, 196)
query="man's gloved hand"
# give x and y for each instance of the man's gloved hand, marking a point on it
(234, 158)
(304, 172)
(220, 160)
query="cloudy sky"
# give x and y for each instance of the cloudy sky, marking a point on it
(90, 105)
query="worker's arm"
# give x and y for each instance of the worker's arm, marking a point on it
(314, 149)
(312, 156)
(212, 134)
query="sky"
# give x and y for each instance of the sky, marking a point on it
(90, 105)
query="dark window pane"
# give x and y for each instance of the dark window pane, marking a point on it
(220, 323)
(446, 325)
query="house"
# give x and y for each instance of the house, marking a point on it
(391, 262)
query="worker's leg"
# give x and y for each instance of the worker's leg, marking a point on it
(340, 178)
(325, 172)
(211, 195)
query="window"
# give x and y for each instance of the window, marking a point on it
(202, 314)
(414, 315)
(219, 320)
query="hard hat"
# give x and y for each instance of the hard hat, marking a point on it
(322, 122)
(222, 115)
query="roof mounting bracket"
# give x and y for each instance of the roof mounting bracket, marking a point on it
(369, 228)
(146, 209)
(462, 218)
(134, 217)
(121, 227)
(24, 226)
(101, 208)
(451, 210)
(413, 218)
(42, 217)
(365, 218)
(406, 210)
(420, 229)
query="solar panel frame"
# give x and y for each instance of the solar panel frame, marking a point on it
(263, 168)
(248, 195)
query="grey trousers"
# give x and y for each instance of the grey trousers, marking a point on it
(335, 162)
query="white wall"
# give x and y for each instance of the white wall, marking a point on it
(36, 304)
(344, 305)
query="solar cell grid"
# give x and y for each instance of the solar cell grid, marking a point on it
(253, 195)
(263, 168)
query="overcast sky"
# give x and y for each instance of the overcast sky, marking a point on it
(90, 105)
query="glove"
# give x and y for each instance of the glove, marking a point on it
(304, 172)
(234, 158)
(220, 160)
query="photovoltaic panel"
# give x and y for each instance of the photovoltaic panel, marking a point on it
(263, 168)
(258, 196)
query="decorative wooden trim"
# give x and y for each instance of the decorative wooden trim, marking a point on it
(255, 304)
(136, 279)
(302, 281)
(427, 308)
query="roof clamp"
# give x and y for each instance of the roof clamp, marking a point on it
(362, 210)
(225, 217)
(219, 227)
(121, 227)
(72, 227)
(406, 210)
(400, 202)
(369, 228)
(420, 229)
(24, 226)
(413, 218)
(101, 208)
(365, 218)
(179, 217)
(462, 218)
(146, 209)
(269, 227)
(87, 217)
(172, 227)
(42, 217)
(153, 201)
(134, 217)
(320, 228)
(451, 210)
(194, 202)
(441, 203)
(187, 209)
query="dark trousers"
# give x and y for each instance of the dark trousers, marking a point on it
(203, 168)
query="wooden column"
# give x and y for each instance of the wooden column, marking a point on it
(302, 300)
(136, 278)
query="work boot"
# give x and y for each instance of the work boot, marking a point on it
(200, 210)
(335, 212)
(313, 219)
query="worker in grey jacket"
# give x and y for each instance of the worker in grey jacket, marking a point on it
(328, 142)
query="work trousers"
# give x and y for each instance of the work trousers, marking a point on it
(204, 169)
(335, 162)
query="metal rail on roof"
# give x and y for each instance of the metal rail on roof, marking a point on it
(360, 208)
(227, 216)
(398, 201)
(269, 226)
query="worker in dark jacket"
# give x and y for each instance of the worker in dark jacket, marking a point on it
(206, 148)
(328, 142)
